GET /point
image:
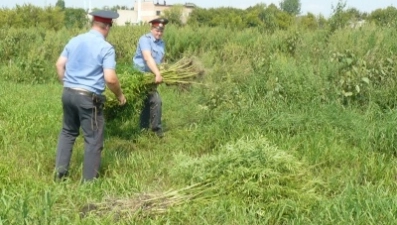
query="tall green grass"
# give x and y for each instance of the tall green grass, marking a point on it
(270, 133)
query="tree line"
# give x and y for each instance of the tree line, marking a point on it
(270, 17)
(262, 16)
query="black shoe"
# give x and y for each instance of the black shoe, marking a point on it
(60, 177)
(159, 133)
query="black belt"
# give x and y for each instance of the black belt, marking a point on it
(81, 92)
(98, 99)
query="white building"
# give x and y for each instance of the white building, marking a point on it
(149, 10)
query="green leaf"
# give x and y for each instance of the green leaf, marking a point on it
(349, 61)
(365, 79)
(347, 94)
(355, 69)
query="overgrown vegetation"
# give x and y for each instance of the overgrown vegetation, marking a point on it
(293, 126)
(50, 18)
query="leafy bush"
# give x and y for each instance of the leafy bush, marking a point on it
(384, 17)
(29, 55)
(28, 15)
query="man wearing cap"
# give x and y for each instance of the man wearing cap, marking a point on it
(149, 54)
(86, 65)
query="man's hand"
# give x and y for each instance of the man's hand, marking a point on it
(158, 79)
(121, 99)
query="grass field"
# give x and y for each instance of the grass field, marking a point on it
(269, 139)
(346, 184)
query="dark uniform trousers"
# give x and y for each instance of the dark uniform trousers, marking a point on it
(85, 110)
(151, 112)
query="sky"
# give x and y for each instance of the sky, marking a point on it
(316, 7)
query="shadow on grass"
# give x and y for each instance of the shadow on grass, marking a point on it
(123, 122)
(126, 130)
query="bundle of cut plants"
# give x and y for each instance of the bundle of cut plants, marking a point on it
(184, 71)
(251, 171)
(147, 204)
(136, 84)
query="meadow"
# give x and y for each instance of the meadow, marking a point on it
(291, 127)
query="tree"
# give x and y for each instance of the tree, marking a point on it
(273, 19)
(309, 21)
(119, 7)
(292, 7)
(199, 17)
(251, 17)
(384, 17)
(174, 14)
(75, 17)
(355, 14)
(223, 16)
(338, 18)
(52, 18)
(341, 16)
(322, 21)
(60, 4)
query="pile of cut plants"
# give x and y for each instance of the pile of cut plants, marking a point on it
(250, 170)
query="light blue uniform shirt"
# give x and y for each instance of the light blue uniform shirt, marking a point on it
(88, 55)
(148, 43)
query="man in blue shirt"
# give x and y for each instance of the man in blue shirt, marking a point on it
(149, 54)
(86, 65)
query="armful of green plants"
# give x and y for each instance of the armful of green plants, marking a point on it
(136, 84)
